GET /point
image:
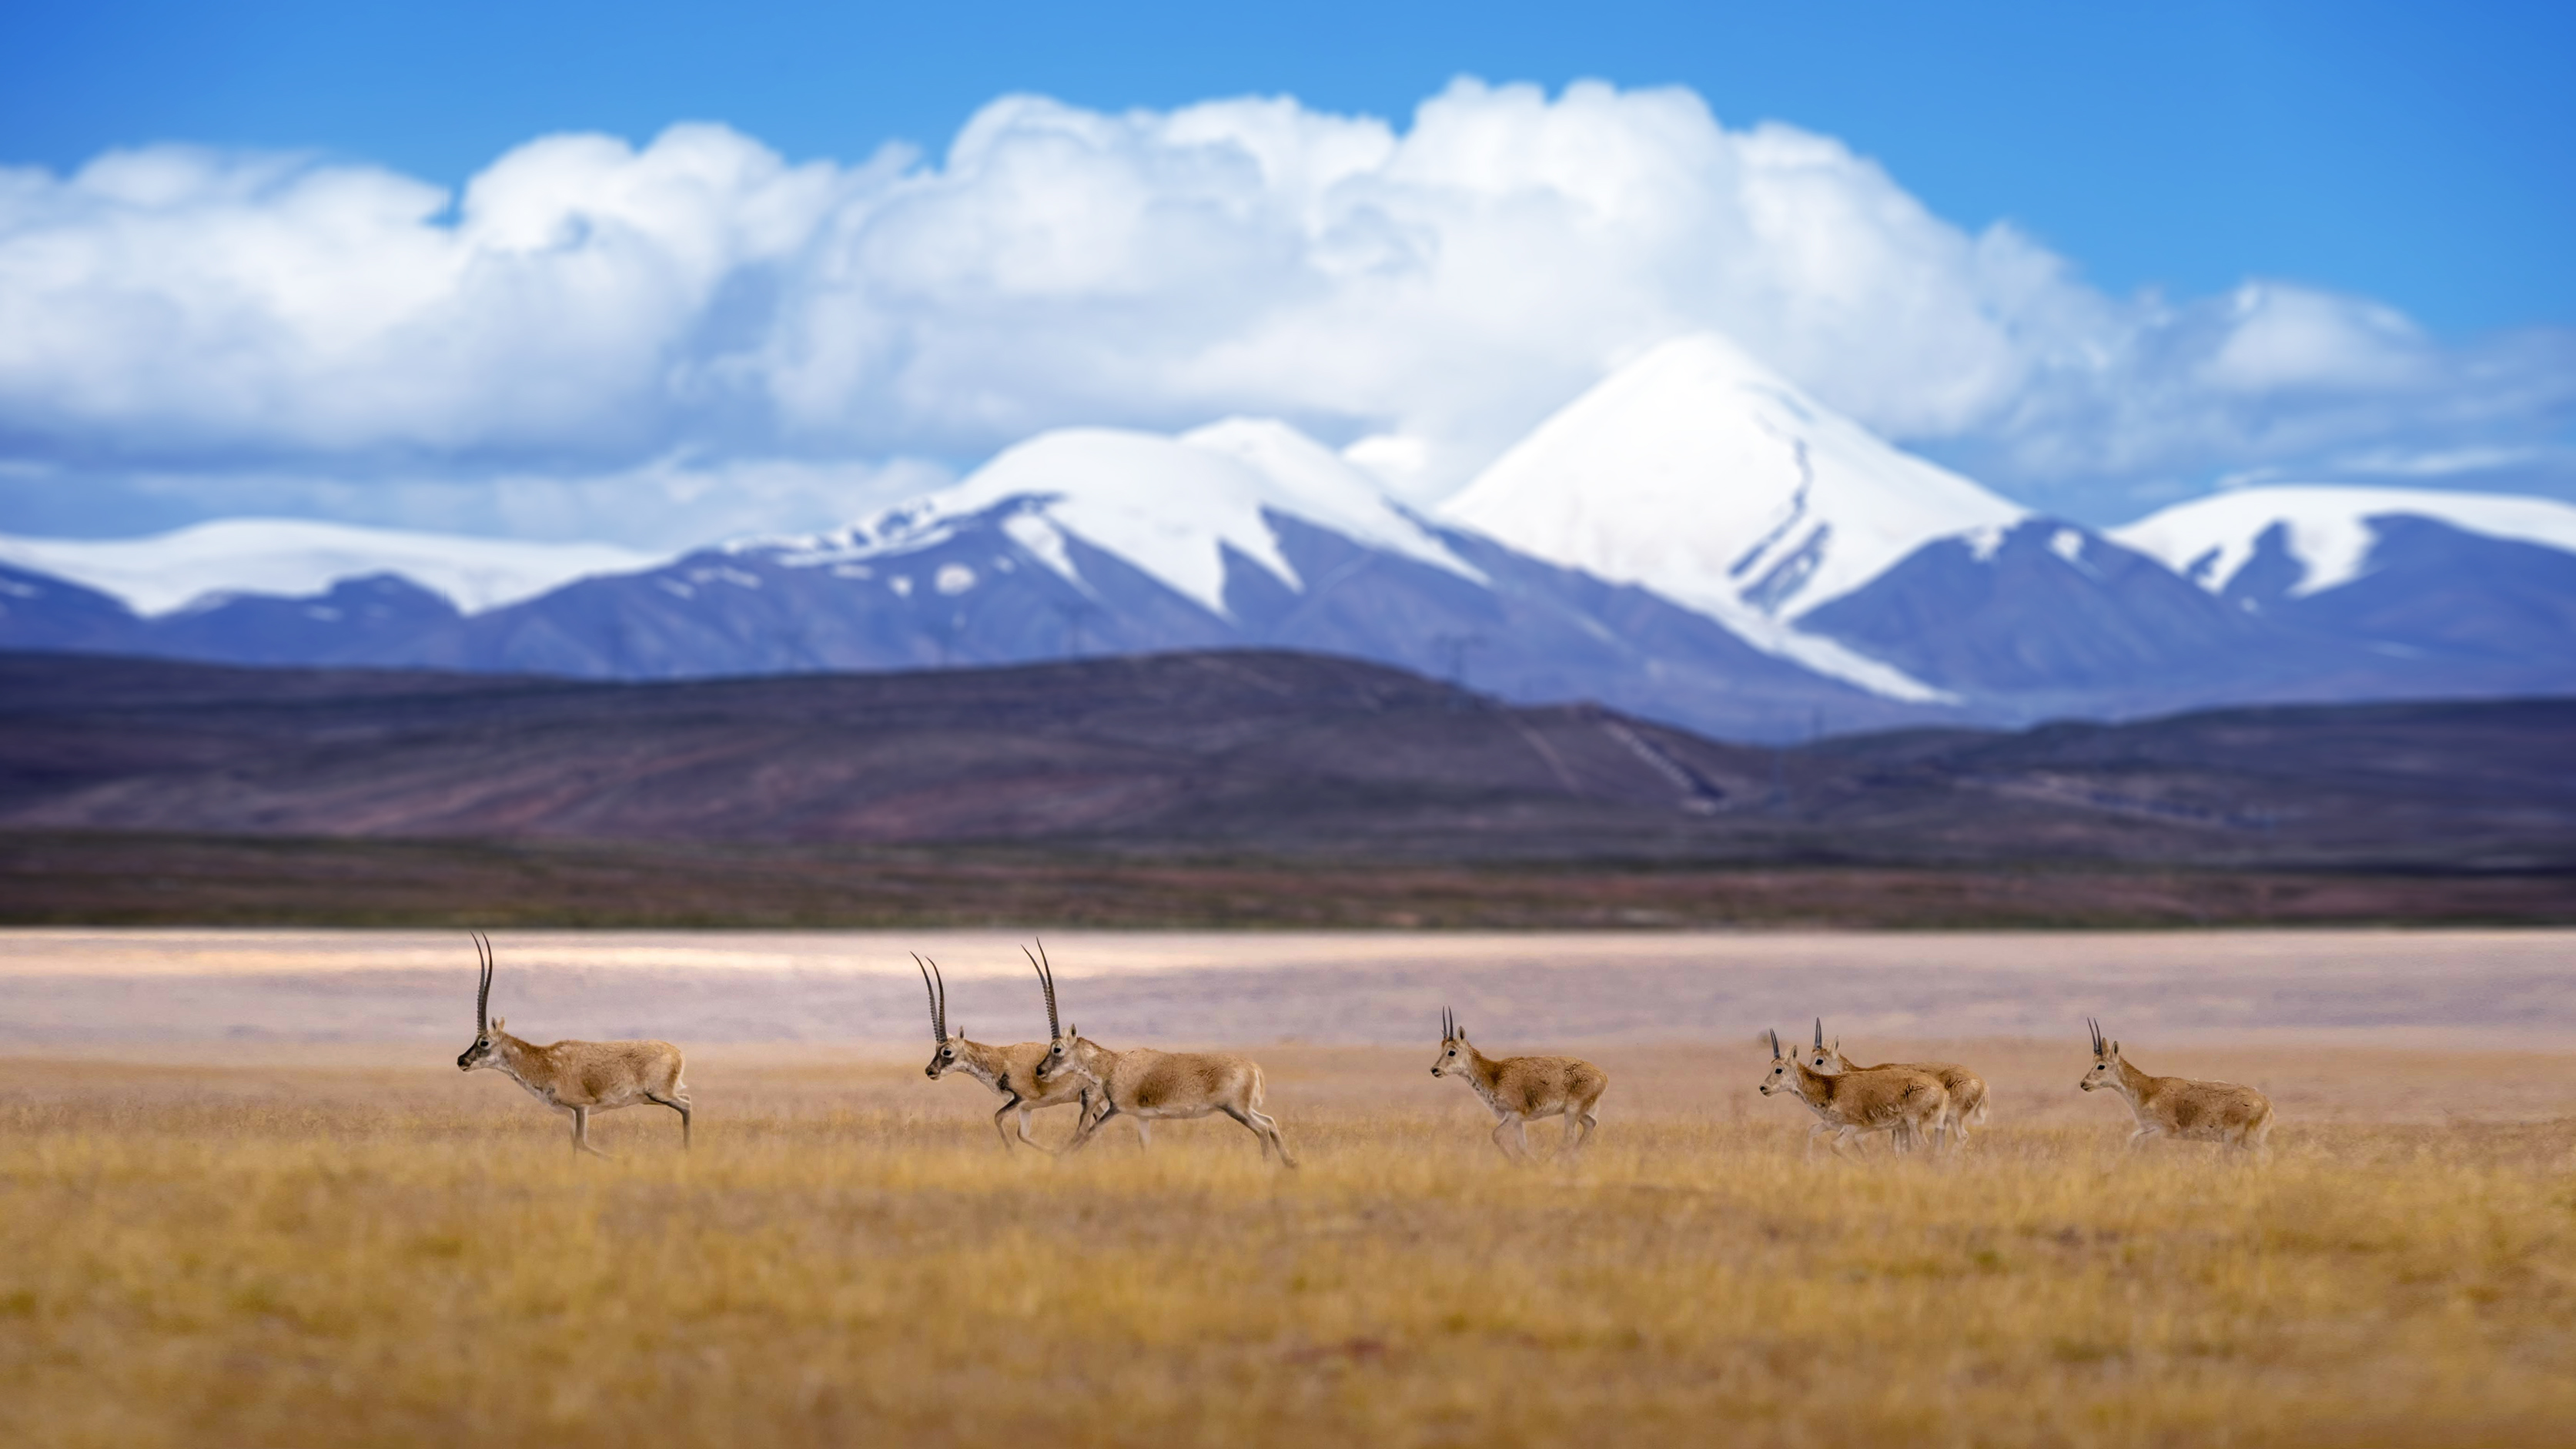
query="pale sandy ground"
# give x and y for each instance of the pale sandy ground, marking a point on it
(92, 990)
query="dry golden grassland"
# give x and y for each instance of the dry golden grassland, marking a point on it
(275, 1253)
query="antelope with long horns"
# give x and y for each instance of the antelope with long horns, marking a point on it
(578, 1077)
(1901, 1102)
(2179, 1107)
(1967, 1090)
(1011, 1071)
(1522, 1089)
(1145, 1085)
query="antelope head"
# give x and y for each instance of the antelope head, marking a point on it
(1784, 1067)
(1453, 1045)
(2105, 1073)
(1062, 1041)
(1822, 1059)
(486, 1025)
(943, 1052)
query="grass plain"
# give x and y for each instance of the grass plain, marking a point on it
(267, 1247)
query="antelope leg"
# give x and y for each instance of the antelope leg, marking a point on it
(1084, 1134)
(679, 1105)
(1024, 1130)
(1271, 1126)
(581, 1132)
(1249, 1126)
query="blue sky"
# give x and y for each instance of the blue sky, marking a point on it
(2406, 163)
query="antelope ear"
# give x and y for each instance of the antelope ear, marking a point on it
(499, 1022)
(2115, 1049)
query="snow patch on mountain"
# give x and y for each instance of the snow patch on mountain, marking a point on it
(1702, 475)
(2330, 528)
(295, 558)
(1171, 507)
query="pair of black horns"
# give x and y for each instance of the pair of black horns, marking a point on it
(1046, 981)
(2096, 1028)
(937, 986)
(1448, 1024)
(483, 992)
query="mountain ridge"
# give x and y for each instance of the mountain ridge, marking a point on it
(1692, 540)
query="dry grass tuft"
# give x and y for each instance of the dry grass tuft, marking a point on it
(274, 1255)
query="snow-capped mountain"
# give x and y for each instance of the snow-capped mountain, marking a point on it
(290, 558)
(1699, 473)
(1092, 541)
(1693, 540)
(2327, 533)
(1173, 508)
(2447, 580)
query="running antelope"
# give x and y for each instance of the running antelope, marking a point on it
(1520, 1089)
(579, 1077)
(1011, 1071)
(1150, 1086)
(1967, 1090)
(2179, 1107)
(1899, 1101)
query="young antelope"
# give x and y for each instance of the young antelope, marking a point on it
(1967, 1090)
(2179, 1107)
(578, 1077)
(1901, 1102)
(1519, 1089)
(1146, 1085)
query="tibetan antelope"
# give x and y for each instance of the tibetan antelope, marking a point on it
(1967, 1090)
(1011, 1071)
(579, 1077)
(1520, 1089)
(1145, 1085)
(1899, 1101)
(2179, 1107)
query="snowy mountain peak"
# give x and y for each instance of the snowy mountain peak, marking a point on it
(1169, 506)
(2328, 529)
(1699, 473)
(295, 558)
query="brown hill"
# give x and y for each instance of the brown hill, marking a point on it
(1250, 753)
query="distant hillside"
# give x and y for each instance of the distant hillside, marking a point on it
(1274, 754)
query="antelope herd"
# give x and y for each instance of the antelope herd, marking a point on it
(1917, 1104)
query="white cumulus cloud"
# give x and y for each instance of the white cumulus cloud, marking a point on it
(585, 309)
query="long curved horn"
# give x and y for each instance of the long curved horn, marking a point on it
(1046, 982)
(1820, 1033)
(483, 991)
(2096, 1028)
(938, 1002)
(1775, 1046)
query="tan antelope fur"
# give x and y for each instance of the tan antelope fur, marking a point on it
(1967, 1090)
(579, 1077)
(2179, 1107)
(1522, 1089)
(1899, 1101)
(1011, 1071)
(1145, 1085)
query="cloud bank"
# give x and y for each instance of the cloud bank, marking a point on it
(587, 321)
